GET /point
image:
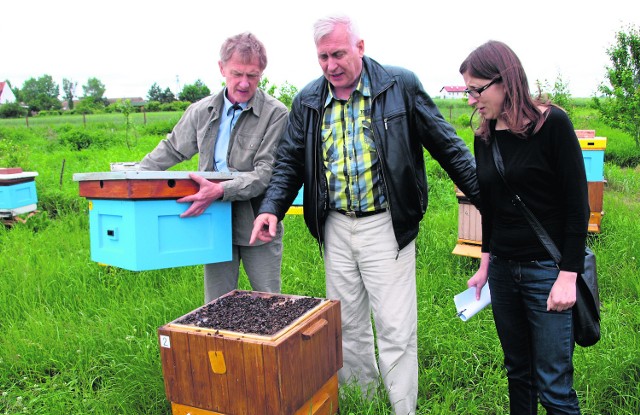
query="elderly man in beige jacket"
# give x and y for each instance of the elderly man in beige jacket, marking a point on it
(235, 130)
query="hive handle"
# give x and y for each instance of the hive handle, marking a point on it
(313, 329)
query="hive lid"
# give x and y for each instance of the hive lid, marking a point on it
(10, 175)
(595, 143)
(152, 175)
(143, 184)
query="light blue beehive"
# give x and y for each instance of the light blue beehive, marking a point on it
(146, 233)
(18, 193)
(142, 235)
(593, 155)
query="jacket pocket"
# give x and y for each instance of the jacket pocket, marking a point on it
(248, 142)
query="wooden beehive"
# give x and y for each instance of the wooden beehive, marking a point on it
(294, 371)
(135, 220)
(17, 192)
(469, 227)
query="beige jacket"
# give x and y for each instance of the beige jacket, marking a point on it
(252, 148)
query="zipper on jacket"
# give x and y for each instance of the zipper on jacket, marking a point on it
(380, 151)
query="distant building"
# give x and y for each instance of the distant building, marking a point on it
(6, 94)
(452, 92)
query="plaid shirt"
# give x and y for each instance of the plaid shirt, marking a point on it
(352, 168)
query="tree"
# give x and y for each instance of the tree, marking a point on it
(284, 93)
(69, 90)
(559, 94)
(40, 94)
(167, 97)
(195, 92)
(155, 93)
(620, 103)
(94, 89)
(93, 99)
(158, 95)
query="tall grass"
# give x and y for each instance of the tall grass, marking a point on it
(77, 337)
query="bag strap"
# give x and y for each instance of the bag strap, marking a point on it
(540, 231)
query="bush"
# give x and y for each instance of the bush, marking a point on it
(162, 128)
(79, 138)
(175, 106)
(153, 106)
(625, 157)
(9, 152)
(12, 110)
(463, 120)
(57, 202)
(46, 113)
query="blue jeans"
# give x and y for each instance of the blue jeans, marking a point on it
(537, 344)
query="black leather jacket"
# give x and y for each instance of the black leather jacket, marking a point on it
(404, 121)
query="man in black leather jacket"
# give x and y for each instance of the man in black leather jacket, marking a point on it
(355, 139)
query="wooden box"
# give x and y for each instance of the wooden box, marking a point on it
(17, 191)
(135, 223)
(296, 207)
(595, 220)
(141, 235)
(593, 155)
(469, 223)
(585, 133)
(138, 185)
(596, 195)
(469, 228)
(209, 371)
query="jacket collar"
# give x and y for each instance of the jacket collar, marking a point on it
(255, 104)
(317, 91)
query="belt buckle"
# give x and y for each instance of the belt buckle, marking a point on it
(350, 214)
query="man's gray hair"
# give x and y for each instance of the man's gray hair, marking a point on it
(325, 25)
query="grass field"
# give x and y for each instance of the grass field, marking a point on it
(77, 337)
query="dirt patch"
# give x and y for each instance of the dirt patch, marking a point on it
(248, 313)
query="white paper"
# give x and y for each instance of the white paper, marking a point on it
(466, 304)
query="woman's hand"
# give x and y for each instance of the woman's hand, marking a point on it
(479, 279)
(563, 293)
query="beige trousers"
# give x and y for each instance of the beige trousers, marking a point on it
(370, 277)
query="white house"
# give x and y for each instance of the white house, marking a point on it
(452, 91)
(6, 94)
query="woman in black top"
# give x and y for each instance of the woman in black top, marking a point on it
(532, 296)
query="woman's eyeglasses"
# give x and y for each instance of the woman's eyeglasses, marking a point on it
(476, 92)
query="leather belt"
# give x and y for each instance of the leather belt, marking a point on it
(360, 214)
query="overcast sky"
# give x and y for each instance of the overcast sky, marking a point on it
(129, 45)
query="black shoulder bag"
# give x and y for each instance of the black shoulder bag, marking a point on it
(586, 310)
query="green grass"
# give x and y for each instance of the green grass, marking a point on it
(78, 338)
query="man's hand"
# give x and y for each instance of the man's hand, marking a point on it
(208, 193)
(264, 228)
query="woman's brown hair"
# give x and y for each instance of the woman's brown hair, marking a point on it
(493, 60)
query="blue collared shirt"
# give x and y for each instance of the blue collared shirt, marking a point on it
(230, 115)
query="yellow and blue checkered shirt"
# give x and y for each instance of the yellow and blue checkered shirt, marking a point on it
(351, 160)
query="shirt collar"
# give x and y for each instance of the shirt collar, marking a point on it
(228, 104)
(363, 87)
